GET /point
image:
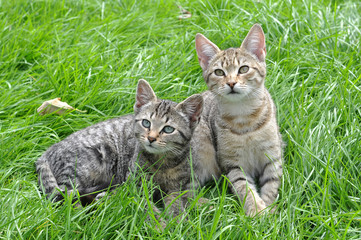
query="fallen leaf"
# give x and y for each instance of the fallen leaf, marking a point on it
(185, 13)
(57, 106)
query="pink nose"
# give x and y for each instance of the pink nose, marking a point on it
(151, 139)
(231, 84)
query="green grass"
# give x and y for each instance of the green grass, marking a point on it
(91, 54)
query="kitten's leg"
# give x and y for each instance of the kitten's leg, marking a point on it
(200, 202)
(204, 157)
(176, 203)
(245, 188)
(270, 181)
(157, 215)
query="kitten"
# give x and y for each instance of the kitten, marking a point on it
(243, 118)
(156, 138)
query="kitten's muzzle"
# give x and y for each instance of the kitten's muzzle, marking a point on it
(232, 89)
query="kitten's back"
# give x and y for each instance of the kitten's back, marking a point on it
(97, 151)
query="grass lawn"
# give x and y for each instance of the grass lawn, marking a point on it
(92, 53)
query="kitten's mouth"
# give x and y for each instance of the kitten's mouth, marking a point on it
(150, 145)
(151, 148)
(232, 92)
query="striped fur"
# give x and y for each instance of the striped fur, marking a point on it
(105, 153)
(243, 118)
(204, 159)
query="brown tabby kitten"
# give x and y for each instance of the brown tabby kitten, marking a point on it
(156, 138)
(243, 118)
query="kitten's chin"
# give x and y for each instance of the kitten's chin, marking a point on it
(233, 96)
(152, 149)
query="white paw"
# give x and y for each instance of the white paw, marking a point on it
(99, 196)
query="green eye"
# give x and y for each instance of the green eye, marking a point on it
(168, 129)
(243, 69)
(219, 72)
(146, 123)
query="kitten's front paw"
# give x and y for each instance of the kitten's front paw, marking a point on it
(272, 209)
(162, 225)
(256, 208)
(204, 201)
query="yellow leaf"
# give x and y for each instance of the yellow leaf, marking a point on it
(57, 106)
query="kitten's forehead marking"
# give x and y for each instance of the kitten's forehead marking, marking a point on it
(229, 57)
(161, 112)
(163, 108)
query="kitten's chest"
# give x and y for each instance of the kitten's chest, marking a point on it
(170, 179)
(237, 144)
(244, 150)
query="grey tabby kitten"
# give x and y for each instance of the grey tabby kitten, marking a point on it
(156, 138)
(243, 118)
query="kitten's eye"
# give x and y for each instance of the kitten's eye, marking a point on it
(219, 72)
(146, 123)
(243, 69)
(168, 129)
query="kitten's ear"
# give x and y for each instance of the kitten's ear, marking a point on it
(192, 107)
(145, 94)
(255, 42)
(205, 50)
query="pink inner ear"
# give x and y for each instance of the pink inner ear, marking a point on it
(194, 117)
(140, 97)
(144, 94)
(196, 112)
(138, 104)
(205, 50)
(143, 98)
(255, 42)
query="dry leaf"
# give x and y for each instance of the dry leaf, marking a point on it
(185, 13)
(57, 106)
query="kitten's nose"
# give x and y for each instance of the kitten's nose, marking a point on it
(151, 139)
(231, 84)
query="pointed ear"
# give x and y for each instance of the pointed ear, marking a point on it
(192, 107)
(255, 42)
(145, 94)
(205, 50)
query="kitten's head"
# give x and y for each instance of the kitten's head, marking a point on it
(234, 73)
(163, 126)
